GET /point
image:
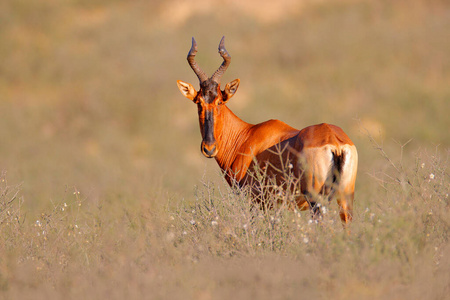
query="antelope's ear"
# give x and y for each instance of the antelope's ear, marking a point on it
(230, 89)
(187, 89)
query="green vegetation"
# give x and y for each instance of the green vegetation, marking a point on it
(103, 189)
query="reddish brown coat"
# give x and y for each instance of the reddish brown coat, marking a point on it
(322, 157)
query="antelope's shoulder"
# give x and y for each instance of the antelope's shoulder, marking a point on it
(266, 134)
(275, 128)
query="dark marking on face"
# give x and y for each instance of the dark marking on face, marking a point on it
(208, 101)
(209, 91)
(209, 127)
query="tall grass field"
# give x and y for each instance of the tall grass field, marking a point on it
(104, 193)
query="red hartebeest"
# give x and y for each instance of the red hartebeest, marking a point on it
(322, 157)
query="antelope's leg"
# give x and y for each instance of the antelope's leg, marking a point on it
(306, 202)
(345, 202)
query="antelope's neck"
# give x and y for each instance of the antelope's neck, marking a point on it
(230, 139)
(239, 142)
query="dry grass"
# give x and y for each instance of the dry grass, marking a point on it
(218, 246)
(101, 155)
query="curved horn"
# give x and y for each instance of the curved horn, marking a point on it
(191, 55)
(226, 61)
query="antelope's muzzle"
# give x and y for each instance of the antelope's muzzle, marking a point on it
(208, 147)
(209, 150)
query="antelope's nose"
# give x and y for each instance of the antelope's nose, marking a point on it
(209, 150)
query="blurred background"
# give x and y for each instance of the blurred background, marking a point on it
(88, 95)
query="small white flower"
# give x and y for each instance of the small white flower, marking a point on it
(245, 226)
(422, 165)
(184, 232)
(214, 223)
(38, 223)
(290, 166)
(192, 222)
(431, 176)
(65, 204)
(305, 240)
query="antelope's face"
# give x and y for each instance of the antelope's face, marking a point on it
(209, 98)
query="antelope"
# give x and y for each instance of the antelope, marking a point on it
(322, 157)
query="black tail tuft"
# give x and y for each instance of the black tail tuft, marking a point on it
(338, 160)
